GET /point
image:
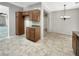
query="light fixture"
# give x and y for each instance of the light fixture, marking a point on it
(64, 16)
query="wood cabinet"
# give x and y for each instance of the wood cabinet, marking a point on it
(28, 32)
(33, 34)
(35, 15)
(75, 43)
(19, 23)
(25, 13)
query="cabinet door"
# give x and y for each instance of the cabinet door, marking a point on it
(35, 15)
(19, 24)
(27, 33)
(77, 46)
(32, 34)
(37, 33)
(74, 43)
(30, 15)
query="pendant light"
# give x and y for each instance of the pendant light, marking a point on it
(64, 17)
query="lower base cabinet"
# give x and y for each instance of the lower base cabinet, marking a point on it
(75, 43)
(33, 33)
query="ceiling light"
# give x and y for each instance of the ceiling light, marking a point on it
(65, 16)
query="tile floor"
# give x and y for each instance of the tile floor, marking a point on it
(53, 44)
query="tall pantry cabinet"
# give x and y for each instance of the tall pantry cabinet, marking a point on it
(19, 23)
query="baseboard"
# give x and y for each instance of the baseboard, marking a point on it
(12, 36)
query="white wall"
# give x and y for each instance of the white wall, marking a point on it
(66, 27)
(45, 22)
(46, 19)
(12, 17)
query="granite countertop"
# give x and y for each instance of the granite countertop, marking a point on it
(34, 26)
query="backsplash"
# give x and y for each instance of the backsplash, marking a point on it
(29, 23)
(35, 23)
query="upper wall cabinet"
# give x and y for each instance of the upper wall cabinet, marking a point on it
(25, 13)
(35, 15)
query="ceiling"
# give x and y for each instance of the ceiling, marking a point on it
(50, 6)
(23, 4)
(56, 6)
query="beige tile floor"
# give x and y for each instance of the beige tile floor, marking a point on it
(53, 44)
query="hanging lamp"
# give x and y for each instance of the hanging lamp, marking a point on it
(64, 16)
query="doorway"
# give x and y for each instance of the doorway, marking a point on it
(4, 21)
